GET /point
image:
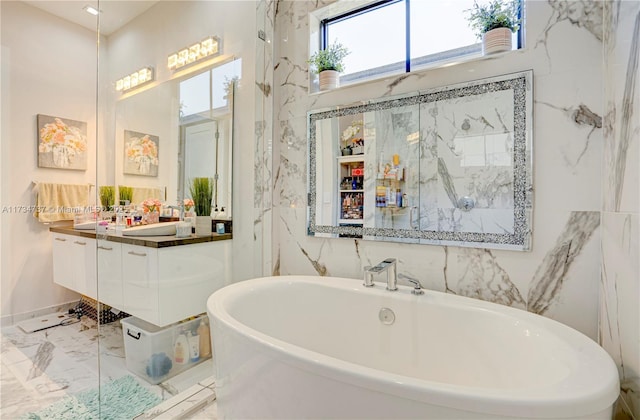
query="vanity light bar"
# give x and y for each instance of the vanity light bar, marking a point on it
(209, 47)
(135, 79)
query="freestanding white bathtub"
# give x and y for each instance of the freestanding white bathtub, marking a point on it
(317, 347)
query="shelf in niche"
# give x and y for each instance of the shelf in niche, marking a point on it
(351, 221)
(351, 158)
(351, 191)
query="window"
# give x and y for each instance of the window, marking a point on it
(394, 36)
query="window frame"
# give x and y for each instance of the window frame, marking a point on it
(415, 64)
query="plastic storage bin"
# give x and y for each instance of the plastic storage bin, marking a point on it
(156, 354)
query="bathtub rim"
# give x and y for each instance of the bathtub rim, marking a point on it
(557, 402)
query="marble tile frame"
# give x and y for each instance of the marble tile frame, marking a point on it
(520, 239)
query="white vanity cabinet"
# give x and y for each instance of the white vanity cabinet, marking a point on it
(160, 285)
(165, 285)
(110, 273)
(74, 262)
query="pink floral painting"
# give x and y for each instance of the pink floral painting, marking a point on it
(140, 153)
(62, 143)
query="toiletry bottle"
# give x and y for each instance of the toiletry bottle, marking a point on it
(194, 347)
(205, 339)
(399, 197)
(391, 197)
(181, 350)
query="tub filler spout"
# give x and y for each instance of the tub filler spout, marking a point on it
(388, 265)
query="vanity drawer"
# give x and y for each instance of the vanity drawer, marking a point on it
(110, 273)
(74, 262)
(140, 281)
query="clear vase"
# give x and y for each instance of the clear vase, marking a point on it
(144, 166)
(61, 156)
(153, 217)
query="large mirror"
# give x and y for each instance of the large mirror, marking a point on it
(186, 123)
(446, 166)
(206, 132)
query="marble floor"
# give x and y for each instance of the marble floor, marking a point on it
(39, 368)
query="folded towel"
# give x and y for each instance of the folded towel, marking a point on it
(139, 194)
(57, 202)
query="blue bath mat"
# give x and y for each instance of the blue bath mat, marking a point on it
(121, 399)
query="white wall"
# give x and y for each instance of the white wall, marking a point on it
(48, 67)
(559, 278)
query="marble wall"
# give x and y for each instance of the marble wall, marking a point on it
(583, 269)
(559, 278)
(619, 309)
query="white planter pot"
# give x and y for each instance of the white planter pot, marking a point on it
(496, 40)
(203, 225)
(329, 79)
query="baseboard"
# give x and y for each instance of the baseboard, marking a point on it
(11, 320)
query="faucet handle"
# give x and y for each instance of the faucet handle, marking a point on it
(417, 287)
(368, 276)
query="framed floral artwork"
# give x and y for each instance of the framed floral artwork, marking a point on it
(62, 143)
(140, 153)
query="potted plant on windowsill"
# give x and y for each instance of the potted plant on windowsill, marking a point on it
(328, 64)
(494, 22)
(201, 190)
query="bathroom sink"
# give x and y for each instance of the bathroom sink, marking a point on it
(86, 225)
(155, 229)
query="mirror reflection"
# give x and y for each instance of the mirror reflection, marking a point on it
(176, 131)
(206, 122)
(444, 166)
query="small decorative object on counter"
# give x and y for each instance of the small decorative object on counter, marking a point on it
(151, 208)
(183, 229)
(220, 228)
(201, 190)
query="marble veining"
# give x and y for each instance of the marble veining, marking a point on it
(484, 278)
(39, 368)
(319, 267)
(627, 118)
(41, 360)
(581, 13)
(550, 275)
(581, 115)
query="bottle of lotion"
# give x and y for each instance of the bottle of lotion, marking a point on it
(194, 348)
(205, 339)
(181, 350)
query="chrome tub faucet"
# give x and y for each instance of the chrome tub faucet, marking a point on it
(388, 265)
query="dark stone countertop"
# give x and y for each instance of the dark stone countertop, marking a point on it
(148, 241)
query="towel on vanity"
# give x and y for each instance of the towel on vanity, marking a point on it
(139, 194)
(57, 202)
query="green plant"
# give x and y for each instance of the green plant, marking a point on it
(107, 196)
(201, 190)
(329, 58)
(125, 193)
(494, 14)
